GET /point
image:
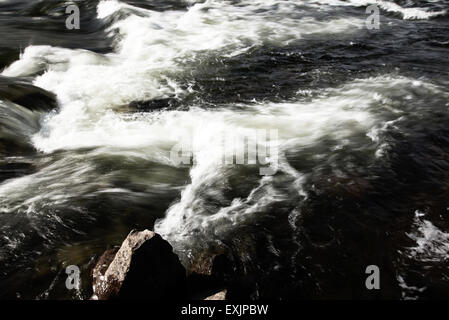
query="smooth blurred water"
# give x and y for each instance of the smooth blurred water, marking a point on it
(361, 116)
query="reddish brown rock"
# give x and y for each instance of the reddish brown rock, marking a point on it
(218, 296)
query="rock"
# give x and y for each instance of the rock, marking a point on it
(209, 272)
(100, 269)
(25, 94)
(220, 266)
(218, 296)
(154, 104)
(17, 125)
(205, 262)
(8, 56)
(144, 267)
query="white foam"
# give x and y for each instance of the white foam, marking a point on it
(352, 110)
(152, 44)
(407, 13)
(151, 49)
(341, 114)
(432, 244)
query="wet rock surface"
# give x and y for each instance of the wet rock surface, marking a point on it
(218, 296)
(22, 93)
(144, 267)
(17, 125)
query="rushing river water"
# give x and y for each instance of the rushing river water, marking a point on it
(363, 141)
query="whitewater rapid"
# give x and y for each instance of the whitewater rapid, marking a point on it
(154, 52)
(152, 49)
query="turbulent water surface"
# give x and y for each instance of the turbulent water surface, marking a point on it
(88, 119)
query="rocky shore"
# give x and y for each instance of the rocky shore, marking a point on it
(145, 267)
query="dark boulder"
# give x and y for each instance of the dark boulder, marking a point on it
(150, 105)
(8, 56)
(22, 93)
(17, 125)
(217, 267)
(144, 267)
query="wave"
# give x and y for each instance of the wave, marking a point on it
(357, 114)
(407, 13)
(152, 46)
(152, 49)
(354, 115)
(412, 13)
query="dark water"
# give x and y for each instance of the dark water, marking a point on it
(88, 118)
